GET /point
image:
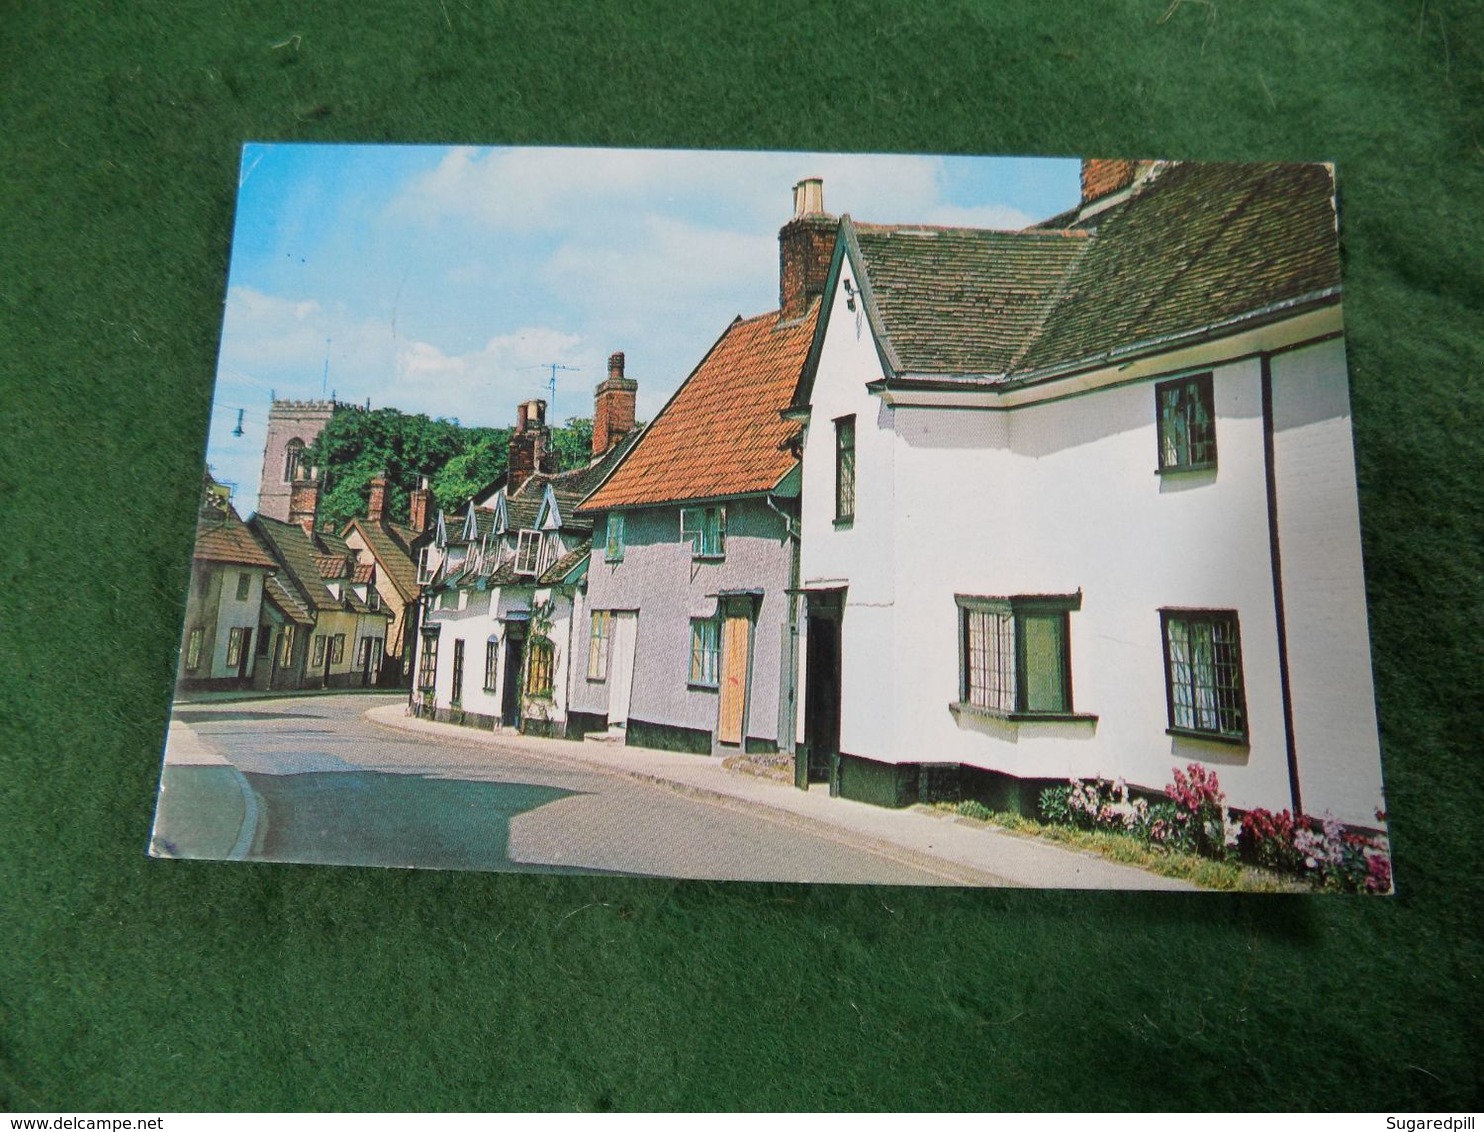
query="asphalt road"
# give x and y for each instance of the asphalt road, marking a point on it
(328, 786)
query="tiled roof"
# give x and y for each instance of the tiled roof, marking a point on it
(279, 593)
(331, 566)
(297, 560)
(558, 570)
(1201, 243)
(392, 547)
(364, 573)
(570, 489)
(1194, 245)
(223, 537)
(962, 300)
(721, 433)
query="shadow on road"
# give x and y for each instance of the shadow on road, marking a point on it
(400, 820)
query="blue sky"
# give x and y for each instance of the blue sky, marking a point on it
(448, 280)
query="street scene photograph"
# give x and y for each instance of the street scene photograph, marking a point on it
(804, 517)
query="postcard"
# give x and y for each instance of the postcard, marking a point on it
(781, 516)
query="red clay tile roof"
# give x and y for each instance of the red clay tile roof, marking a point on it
(363, 572)
(392, 547)
(224, 538)
(721, 434)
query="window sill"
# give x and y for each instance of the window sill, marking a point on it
(1208, 736)
(845, 523)
(1181, 469)
(701, 687)
(708, 557)
(961, 708)
(598, 679)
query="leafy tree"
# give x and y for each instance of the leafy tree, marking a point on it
(358, 444)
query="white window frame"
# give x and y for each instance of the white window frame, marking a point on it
(528, 553)
(705, 528)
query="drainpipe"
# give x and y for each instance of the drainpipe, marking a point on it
(794, 532)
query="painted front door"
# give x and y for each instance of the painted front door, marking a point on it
(736, 649)
(624, 634)
(822, 689)
(515, 655)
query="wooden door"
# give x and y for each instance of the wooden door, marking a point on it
(736, 642)
(623, 635)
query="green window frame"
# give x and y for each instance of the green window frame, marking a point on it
(1187, 423)
(597, 645)
(491, 663)
(427, 665)
(615, 542)
(319, 650)
(234, 645)
(541, 665)
(1205, 696)
(705, 652)
(337, 648)
(1015, 655)
(244, 586)
(194, 640)
(456, 697)
(845, 470)
(705, 528)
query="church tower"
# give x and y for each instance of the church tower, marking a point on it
(292, 427)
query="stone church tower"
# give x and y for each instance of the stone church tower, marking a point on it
(292, 427)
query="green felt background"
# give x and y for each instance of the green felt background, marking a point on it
(127, 983)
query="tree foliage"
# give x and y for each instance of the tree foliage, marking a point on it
(459, 461)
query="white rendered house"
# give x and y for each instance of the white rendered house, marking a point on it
(1079, 501)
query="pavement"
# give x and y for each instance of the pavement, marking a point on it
(958, 850)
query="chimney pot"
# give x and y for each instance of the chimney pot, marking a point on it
(615, 364)
(613, 406)
(809, 197)
(376, 507)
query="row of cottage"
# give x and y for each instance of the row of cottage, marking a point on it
(972, 512)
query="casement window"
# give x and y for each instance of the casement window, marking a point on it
(318, 658)
(540, 667)
(286, 647)
(705, 528)
(1015, 657)
(613, 548)
(427, 665)
(705, 652)
(456, 697)
(845, 470)
(491, 663)
(1187, 424)
(551, 550)
(234, 646)
(203, 583)
(373, 599)
(244, 586)
(597, 645)
(528, 552)
(1203, 673)
(425, 565)
(193, 648)
(448, 598)
(265, 641)
(337, 648)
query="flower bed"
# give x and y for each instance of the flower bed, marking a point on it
(1193, 818)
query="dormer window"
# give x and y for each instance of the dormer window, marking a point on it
(528, 553)
(424, 566)
(705, 528)
(551, 550)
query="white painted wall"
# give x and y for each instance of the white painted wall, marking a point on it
(1334, 711)
(1062, 496)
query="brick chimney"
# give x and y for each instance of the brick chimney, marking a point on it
(304, 500)
(530, 446)
(805, 245)
(613, 407)
(1102, 177)
(376, 509)
(421, 506)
